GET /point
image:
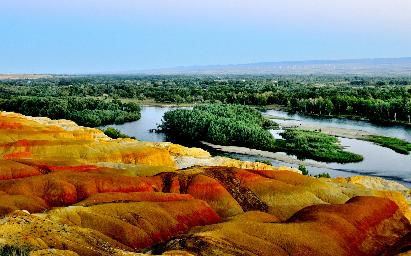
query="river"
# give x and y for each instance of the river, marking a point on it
(150, 118)
(378, 161)
(398, 131)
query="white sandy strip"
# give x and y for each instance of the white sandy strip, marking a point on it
(261, 153)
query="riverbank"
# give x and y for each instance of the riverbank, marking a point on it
(278, 156)
(356, 118)
(398, 145)
(334, 131)
(335, 170)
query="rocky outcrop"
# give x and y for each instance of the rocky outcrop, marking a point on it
(385, 188)
(358, 227)
(71, 190)
(106, 228)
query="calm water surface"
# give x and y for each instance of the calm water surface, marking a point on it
(150, 118)
(378, 161)
(398, 131)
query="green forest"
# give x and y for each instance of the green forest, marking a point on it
(379, 99)
(84, 111)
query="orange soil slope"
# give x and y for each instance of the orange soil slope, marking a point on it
(91, 195)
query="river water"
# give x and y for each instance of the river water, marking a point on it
(398, 131)
(150, 118)
(378, 161)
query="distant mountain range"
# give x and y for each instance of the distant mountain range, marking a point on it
(371, 67)
(361, 67)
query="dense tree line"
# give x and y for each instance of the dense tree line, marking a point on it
(84, 111)
(392, 109)
(375, 98)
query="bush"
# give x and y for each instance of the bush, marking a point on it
(115, 133)
(323, 175)
(303, 169)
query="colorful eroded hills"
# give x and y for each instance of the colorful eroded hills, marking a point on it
(71, 190)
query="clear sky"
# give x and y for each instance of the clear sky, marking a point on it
(87, 36)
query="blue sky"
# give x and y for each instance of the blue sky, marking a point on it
(88, 36)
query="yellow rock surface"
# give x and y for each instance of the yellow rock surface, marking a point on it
(42, 140)
(385, 188)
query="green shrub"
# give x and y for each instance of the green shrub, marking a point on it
(115, 133)
(303, 169)
(323, 175)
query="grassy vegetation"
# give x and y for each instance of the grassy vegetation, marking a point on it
(315, 145)
(115, 133)
(398, 145)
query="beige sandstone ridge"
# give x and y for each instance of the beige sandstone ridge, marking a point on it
(71, 190)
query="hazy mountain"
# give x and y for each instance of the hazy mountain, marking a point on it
(383, 67)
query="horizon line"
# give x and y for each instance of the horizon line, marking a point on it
(143, 70)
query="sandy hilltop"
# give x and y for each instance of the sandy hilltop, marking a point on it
(71, 190)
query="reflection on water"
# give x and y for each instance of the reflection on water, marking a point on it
(378, 161)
